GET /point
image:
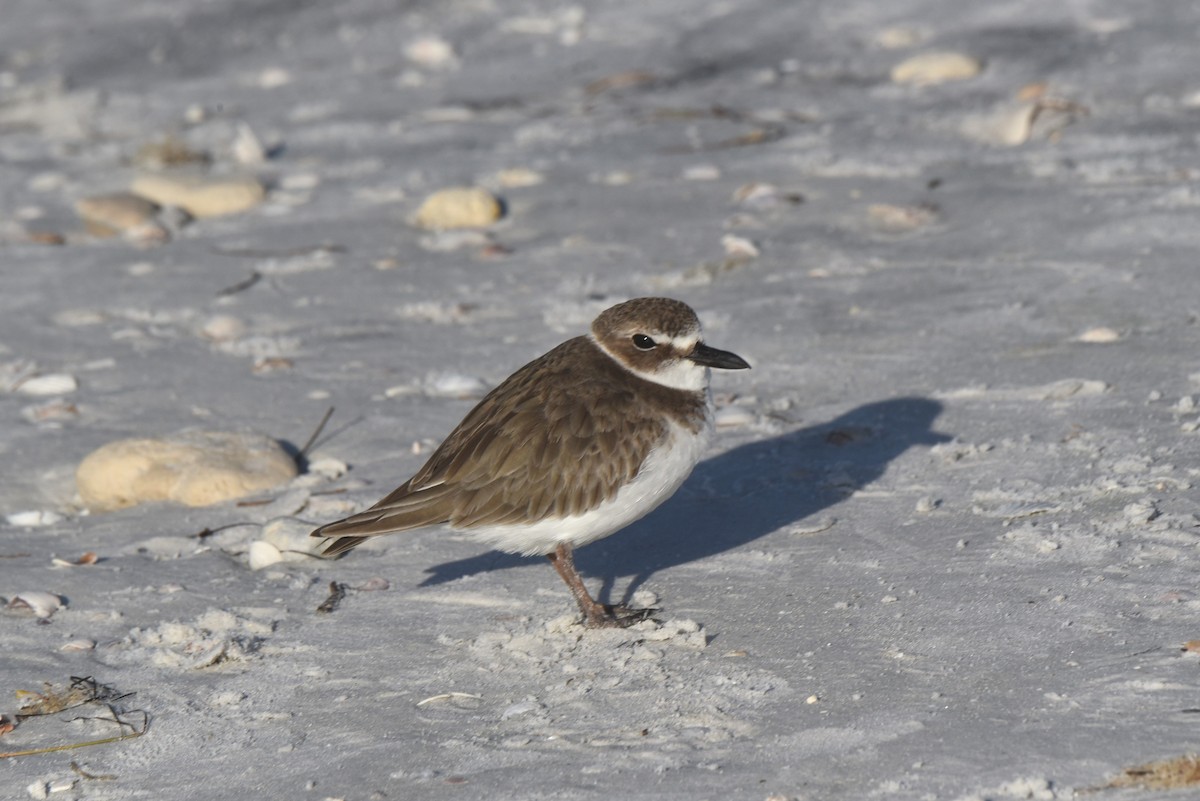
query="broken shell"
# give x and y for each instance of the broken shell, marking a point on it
(455, 385)
(42, 604)
(733, 417)
(50, 384)
(35, 518)
(1101, 335)
(81, 644)
(739, 247)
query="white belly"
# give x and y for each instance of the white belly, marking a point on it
(664, 470)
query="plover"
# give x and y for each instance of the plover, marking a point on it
(572, 447)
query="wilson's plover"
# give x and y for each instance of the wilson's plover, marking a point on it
(574, 446)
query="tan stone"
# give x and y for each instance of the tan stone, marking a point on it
(459, 207)
(118, 211)
(195, 468)
(201, 195)
(927, 69)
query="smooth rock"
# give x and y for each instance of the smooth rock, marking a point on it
(195, 468)
(263, 554)
(459, 207)
(118, 212)
(927, 69)
(201, 195)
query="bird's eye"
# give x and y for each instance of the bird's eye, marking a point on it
(643, 342)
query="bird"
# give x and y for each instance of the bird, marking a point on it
(570, 448)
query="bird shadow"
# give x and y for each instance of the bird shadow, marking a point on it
(745, 493)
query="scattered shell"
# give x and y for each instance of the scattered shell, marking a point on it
(734, 417)
(901, 219)
(814, 527)
(15, 373)
(518, 177)
(247, 147)
(167, 152)
(455, 385)
(431, 52)
(1009, 124)
(271, 364)
(49, 384)
(739, 247)
(927, 69)
(274, 77)
(54, 411)
(41, 237)
(459, 207)
(462, 700)
(34, 519)
(72, 318)
(1070, 387)
(42, 604)
(765, 196)
(290, 535)
(1101, 335)
(223, 328)
(263, 554)
(900, 36)
(927, 504)
(89, 558)
(81, 644)
(200, 195)
(196, 468)
(702, 172)
(374, 584)
(328, 467)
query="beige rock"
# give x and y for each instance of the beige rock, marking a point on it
(118, 211)
(459, 207)
(927, 69)
(195, 468)
(201, 195)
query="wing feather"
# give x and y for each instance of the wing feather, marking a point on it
(556, 439)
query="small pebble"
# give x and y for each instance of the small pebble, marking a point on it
(459, 207)
(263, 554)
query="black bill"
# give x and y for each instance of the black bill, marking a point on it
(721, 359)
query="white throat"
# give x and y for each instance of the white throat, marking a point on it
(676, 374)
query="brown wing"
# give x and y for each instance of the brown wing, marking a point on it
(557, 438)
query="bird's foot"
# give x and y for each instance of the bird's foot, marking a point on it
(615, 616)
